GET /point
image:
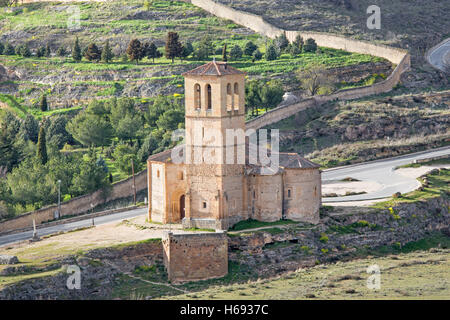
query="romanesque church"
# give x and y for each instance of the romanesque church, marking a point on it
(218, 195)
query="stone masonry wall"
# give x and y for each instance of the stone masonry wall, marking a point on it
(191, 257)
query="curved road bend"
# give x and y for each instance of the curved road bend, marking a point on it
(382, 172)
(436, 56)
(16, 237)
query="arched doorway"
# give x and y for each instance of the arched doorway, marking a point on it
(182, 207)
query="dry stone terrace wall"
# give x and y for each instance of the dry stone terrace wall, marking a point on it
(77, 205)
(397, 56)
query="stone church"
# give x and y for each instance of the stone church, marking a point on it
(218, 195)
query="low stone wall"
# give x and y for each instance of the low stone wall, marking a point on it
(77, 205)
(192, 257)
(397, 56)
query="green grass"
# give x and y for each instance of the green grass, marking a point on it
(428, 163)
(356, 227)
(252, 224)
(439, 185)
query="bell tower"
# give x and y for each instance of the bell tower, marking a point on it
(215, 107)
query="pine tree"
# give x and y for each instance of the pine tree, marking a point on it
(107, 54)
(42, 147)
(173, 46)
(40, 52)
(186, 50)
(310, 45)
(152, 52)
(271, 53)
(236, 53)
(48, 51)
(43, 105)
(93, 53)
(76, 51)
(224, 53)
(299, 43)
(135, 50)
(2, 47)
(24, 50)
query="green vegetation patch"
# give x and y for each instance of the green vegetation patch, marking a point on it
(252, 224)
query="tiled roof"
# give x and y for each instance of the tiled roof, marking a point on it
(213, 69)
(294, 160)
(286, 161)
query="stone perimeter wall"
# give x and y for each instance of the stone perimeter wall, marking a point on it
(77, 205)
(191, 257)
(397, 56)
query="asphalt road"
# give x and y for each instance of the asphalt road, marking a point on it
(382, 172)
(16, 237)
(436, 55)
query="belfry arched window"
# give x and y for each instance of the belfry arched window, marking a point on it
(236, 96)
(229, 98)
(208, 97)
(197, 96)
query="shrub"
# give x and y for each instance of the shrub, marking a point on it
(61, 52)
(324, 250)
(323, 238)
(9, 50)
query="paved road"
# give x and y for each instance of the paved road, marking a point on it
(382, 172)
(436, 55)
(16, 237)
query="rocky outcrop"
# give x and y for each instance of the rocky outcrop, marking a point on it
(7, 259)
(340, 236)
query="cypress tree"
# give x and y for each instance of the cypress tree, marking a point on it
(107, 54)
(42, 146)
(43, 103)
(48, 52)
(224, 53)
(76, 51)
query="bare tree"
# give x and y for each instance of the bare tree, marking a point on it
(316, 78)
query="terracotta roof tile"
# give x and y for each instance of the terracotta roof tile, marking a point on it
(213, 69)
